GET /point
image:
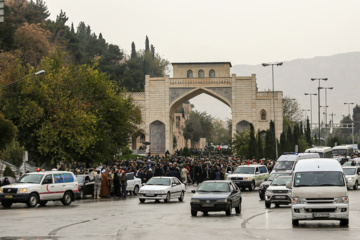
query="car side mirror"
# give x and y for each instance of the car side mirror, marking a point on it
(193, 191)
(229, 172)
(174, 184)
(257, 172)
(288, 185)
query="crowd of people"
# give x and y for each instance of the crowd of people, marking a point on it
(111, 178)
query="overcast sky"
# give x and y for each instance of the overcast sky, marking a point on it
(238, 31)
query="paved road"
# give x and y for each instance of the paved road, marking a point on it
(128, 219)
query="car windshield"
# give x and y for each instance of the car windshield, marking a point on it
(275, 175)
(31, 178)
(349, 171)
(339, 152)
(312, 179)
(80, 179)
(284, 165)
(245, 170)
(214, 187)
(280, 181)
(159, 181)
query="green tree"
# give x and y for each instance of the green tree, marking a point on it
(308, 133)
(7, 132)
(133, 50)
(72, 113)
(260, 147)
(8, 172)
(291, 112)
(240, 144)
(252, 152)
(14, 153)
(147, 44)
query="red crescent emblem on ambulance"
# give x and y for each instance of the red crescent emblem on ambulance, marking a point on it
(47, 188)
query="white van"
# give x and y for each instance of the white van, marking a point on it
(287, 162)
(342, 150)
(319, 191)
(323, 151)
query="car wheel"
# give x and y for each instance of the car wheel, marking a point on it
(228, 211)
(33, 200)
(136, 190)
(66, 200)
(193, 213)
(168, 196)
(252, 186)
(356, 185)
(267, 204)
(142, 200)
(181, 198)
(295, 222)
(238, 208)
(344, 222)
(82, 194)
(43, 203)
(6, 204)
(262, 196)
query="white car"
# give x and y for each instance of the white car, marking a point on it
(40, 187)
(162, 188)
(133, 183)
(352, 176)
(277, 193)
(249, 176)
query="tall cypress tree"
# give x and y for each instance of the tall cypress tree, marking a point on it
(152, 51)
(147, 44)
(260, 150)
(282, 143)
(308, 133)
(252, 143)
(133, 50)
(272, 151)
(289, 140)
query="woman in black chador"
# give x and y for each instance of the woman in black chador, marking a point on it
(116, 185)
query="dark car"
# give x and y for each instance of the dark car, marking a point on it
(86, 185)
(216, 196)
(266, 184)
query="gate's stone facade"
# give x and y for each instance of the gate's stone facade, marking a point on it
(163, 95)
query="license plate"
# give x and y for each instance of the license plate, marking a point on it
(8, 196)
(322, 215)
(279, 197)
(208, 205)
(150, 194)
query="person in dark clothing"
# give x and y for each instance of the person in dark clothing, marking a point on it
(6, 182)
(124, 183)
(116, 185)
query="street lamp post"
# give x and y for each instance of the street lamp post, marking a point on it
(326, 88)
(352, 122)
(273, 93)
(319, 79)
(311, 94)
(37, 73)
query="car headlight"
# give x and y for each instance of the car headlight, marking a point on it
(22, 190)
(270, 191)
(228, 178)
(342, 200)
(350, 178)
(247, 178)
(222, 200)
(1, 190)
(297, 200)
(141, 191)
(195, 200)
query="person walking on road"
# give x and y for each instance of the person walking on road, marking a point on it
(184, 174)
(97, 184)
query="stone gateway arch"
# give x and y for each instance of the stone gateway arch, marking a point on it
(164, 95)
